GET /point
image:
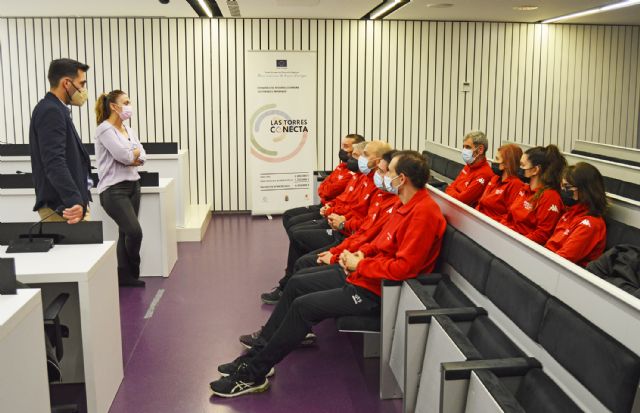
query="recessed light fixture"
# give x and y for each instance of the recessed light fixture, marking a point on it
(525, 8)
(386, 8)
(439, 5)
(614, 6)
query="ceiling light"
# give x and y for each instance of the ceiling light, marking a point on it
(386, 8)
(440, 5)
(206, 8)
(619, 5)
(525, 8)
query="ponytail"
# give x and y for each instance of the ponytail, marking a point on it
(103, 105)
(552, 164)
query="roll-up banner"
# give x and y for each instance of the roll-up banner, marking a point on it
(281, 111)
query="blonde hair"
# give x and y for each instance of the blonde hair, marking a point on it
(103, 108)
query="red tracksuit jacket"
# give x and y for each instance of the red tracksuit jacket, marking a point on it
(356, 204)
(334, 184)
(408, 245)
(382, 206)
(470, 183)
(498, 196)
(579, 237)
(535, 220)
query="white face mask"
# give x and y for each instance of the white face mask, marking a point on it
(390, 188)
(379, 181)
(363, 164)
(467, 156)
(126, 113)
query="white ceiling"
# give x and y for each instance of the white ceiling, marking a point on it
(462, 10)
(500, 10)
(59, 8)
(317, 9)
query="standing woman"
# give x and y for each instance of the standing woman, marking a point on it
(118, 154)
(504, 186)
(538, 206)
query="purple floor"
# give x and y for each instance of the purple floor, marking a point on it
(210, 299)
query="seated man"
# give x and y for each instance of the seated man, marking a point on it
(469, 185)
(332, 186)
(307, 237)
(408, 245)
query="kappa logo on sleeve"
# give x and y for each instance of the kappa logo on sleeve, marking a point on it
(389, 237)
(481, 180)
(499, 191)
(356, 299)
(585, 222)
(390, 210)
(554, 208)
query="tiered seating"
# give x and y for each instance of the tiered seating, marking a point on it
(579, 353)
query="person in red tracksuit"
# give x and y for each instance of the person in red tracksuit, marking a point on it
(331, 187)
(504, 186)
(358, 232)
(470, 183)
(581, 233)
(538, 206)
(408, 245)
(304, 238)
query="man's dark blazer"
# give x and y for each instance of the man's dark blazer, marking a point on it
(59, 162)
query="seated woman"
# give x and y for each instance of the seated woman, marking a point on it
(408, 245)
(581, 233)
(538, 206)
(504, 186)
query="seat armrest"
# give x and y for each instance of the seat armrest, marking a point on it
(516, 366)
(431, 278)
(455, 314)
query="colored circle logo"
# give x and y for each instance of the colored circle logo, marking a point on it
(275, 136)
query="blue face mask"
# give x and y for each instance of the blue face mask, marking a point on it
(379, 181)
(467, 156)
(390, 188)
(363, 164)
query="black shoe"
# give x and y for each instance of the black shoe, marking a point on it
(133, 282)
(230, 368)
(238, 383)
(271, 297)
(253, 340)
(309, 340)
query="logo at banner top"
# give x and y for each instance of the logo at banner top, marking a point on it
(281, 63)
(275, 136)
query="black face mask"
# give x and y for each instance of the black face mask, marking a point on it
(495, 167)
(567, 197)
(522, 177)
(343, 155)
(352, 165)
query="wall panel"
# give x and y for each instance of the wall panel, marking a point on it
(400, 81)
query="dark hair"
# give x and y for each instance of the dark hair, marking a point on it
(590, 184)
(60, 68)
(103, 108)
(356, 138)
(511, 155)
(551, 163)
(414, 166)
(387, 156)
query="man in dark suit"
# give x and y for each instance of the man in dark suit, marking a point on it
(59, 162)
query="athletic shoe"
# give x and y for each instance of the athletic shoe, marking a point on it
(309, 340)
(239, 383)
(253, 340)
(272, 297)
(230, 368)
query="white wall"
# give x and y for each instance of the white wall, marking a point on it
(398, 81)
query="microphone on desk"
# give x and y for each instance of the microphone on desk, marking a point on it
(28, 243)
